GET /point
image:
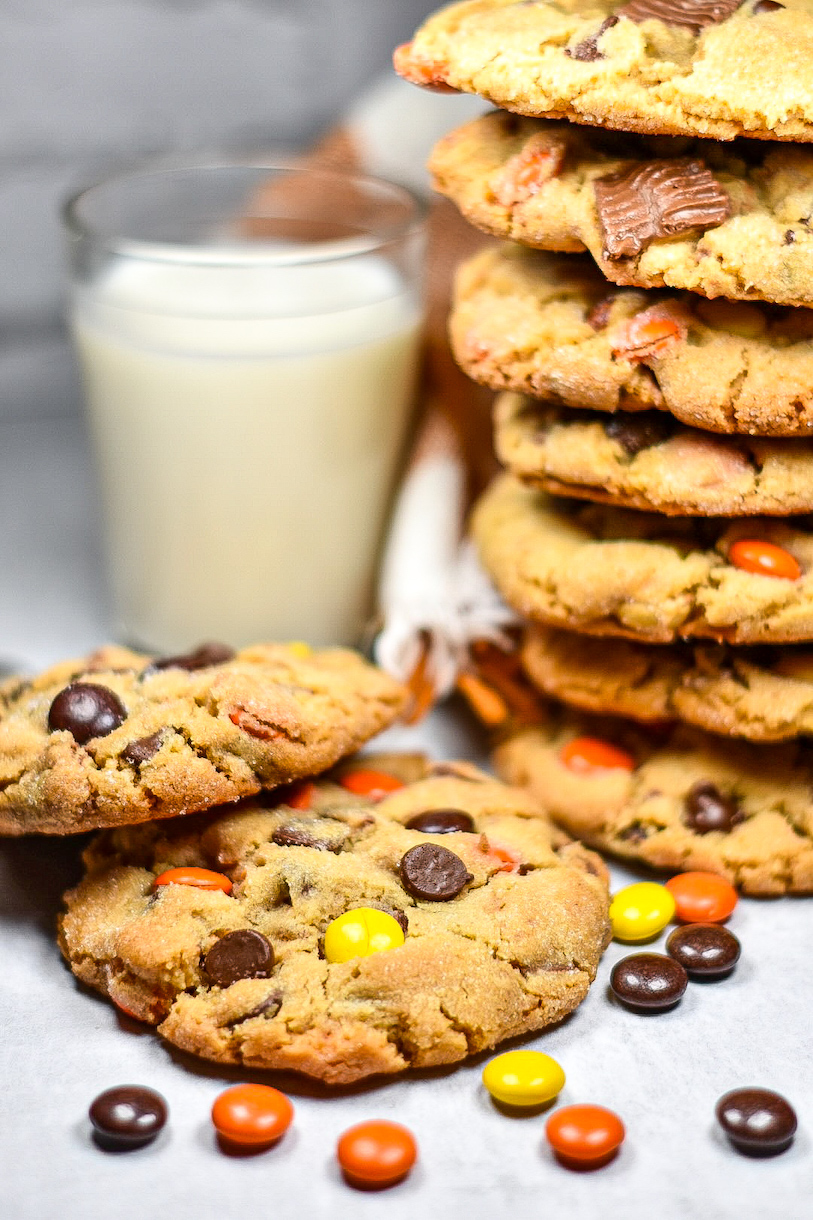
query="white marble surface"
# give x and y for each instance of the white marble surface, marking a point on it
(61, 1045)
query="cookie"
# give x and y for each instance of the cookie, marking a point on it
(646, 460)
(510, 946)
(550, 326)
(720, 220)
(706, 67)
(121, 737)
(689, 801)
(760, 693)
(620, 572)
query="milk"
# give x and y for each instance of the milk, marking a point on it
(249, 420)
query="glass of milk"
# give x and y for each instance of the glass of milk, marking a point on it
(248, 337)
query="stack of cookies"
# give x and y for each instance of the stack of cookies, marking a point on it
(648, 322)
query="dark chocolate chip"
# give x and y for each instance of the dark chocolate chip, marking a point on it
(587, 50)
(708, 809)
(704, 950)
(636, 431)
(636, 833)
(691, 14)
(244, 954)
(790, 237)
(433, 873)
(599, 315)
(441, 822)
(400, 918)
(757, 1121)
(199, 658)
(86, 710)
(767, 6)
(269, 1007)
(649, 982)
(142, 749)
(656, 199)
(127, 1117)
(292, 836)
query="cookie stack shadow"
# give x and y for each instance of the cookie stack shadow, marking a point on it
(647, 320)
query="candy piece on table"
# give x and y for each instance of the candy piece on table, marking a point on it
(252, 1115)
(584, 1136)
(648, 982)
(128, 1116)
(360, 932)
(523, 1078)
(442, 822)
(641, 911)
(704, 950)
(86, 710)
(243, 954)
(764, 558)
(586, 755)
(433, 873)
(376, 1154)
(375, 785)
(758, 1122)
(702, 897)
(200, 878)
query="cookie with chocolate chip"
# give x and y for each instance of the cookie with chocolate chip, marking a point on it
(609, 571)
(212, 927)
(673, 67)
(687, 799)
(121, 737)
(550, 326)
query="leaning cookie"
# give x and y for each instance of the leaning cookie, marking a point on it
(620, 572)
(646, 460)
(762, 693)
(710, 67)
(550, 326)
(685, 800)
(491, 922)
(121, 737)
(720, 220)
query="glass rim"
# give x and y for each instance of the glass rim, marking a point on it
(248, 252)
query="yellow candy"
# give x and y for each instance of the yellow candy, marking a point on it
(641, 911)
(523, 1078)
(300, 649)
(360, 932)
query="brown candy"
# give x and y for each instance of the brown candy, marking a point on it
(199, 658)
(441, 822)
(587, 50)
(648, 982)
(691, 14)
(86, 710)
(657, 199)
(244, 954)
(704, 950)
(142, 749)
(433, 873)
(127, 1117)
(708, 809)
(767, 6)
(758, 1122)
(637, 431)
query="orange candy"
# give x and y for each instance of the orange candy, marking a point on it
(299, 795)
(764, 558)
(373, 784)
(201, 878)
(587, 754)
(376, 1153)
(584, 1135)
(417, 70)
(647, 334)
(252, 1115)
(702, 897)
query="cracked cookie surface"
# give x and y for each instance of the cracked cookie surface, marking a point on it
(761, 693)
(701, 69)
(540, 183)
(645, 460)
(621, 572)
(184, 736)
(513, 952)
(550, 326)
(658, 813)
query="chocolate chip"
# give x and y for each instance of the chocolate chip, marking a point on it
(636, 431)
(790, 236)
(86, 710)
(757, 1121)
(708, 809)
(269, 1007)
(767, 6)
(657, 199)
(587, 50)
(704, 950)
(291, 836)
(244, 954)
(127, 1117)
(648, 982)
(399, 917)
(599, 315)
(694, 15)
(199, 658)
(142, 749)
(441, 822)
(433, 873)
(636, 833)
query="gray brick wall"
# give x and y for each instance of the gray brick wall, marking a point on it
(88, 85)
